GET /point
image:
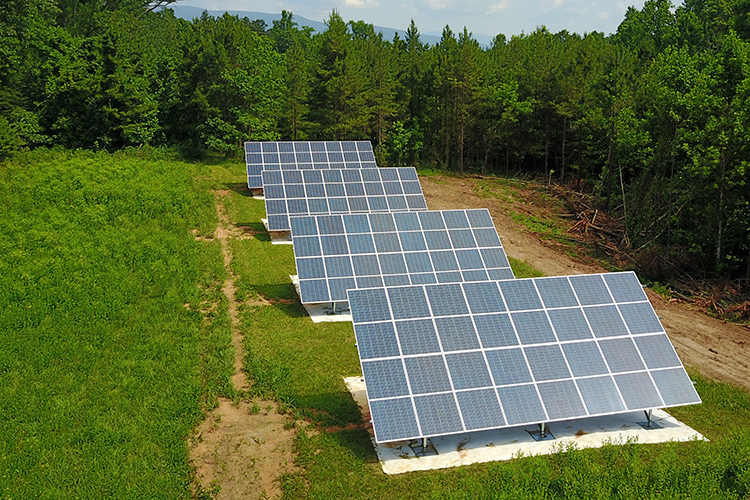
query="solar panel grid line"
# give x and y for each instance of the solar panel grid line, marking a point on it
(601, 353)
(393, 250)
(445, 365)
(340, 191)
(598, 346)
(305, 155)
(484, 355)
(604, 357)
(577, 379)
(447, 368)
(557, 338)
(559, 391)
(523, 353)
(630, 335)
(403, 366)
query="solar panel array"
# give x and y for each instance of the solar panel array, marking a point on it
(449, 358)
(305, 155)
(335, 253)
(365, 190)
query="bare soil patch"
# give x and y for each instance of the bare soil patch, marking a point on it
(243, 453)
(719, 350)
(242, 448)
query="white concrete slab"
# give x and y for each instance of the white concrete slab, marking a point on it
(324, 312)
(505, 444)
(278, 237)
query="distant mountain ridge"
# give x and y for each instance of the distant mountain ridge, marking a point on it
(432, 38)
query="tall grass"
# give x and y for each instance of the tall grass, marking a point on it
(104, 362)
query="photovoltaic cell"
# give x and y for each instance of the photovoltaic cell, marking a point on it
(427, 374)
(446, 358)
(282, 157)
(484, 297)
(376, 342)
(520, 295)
(457, 333)
(337, 191)
(468, 370)
(657, 351)
(556, 292)
(600, 395)
(417, 336)
(638, 391)
(399, 249)
(569, 324)
(621, 355)
(438, 414)
(605, 321)
(521, 404)
(640, 319)
(561, 400)
(508, 366)
(585, 359)
(395, 419)
(388, 378)
(590, 289)
(675, 387)
(532, 327)
(480, 409)
(495, 330)
(547, 362)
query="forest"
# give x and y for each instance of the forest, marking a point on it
(652, 121)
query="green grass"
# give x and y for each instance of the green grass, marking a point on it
(545, 228)
(501, 189)
(522, 269)
(302, 364)
(104, 369)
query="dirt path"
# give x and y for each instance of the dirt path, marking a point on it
(242, 448)
(719, 350)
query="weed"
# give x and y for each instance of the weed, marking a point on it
(209, 493)
(501, 190)
(522, 269)
(661, 289)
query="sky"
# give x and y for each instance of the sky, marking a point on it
(489, 17)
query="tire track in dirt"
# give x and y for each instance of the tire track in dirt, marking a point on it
(242, 448)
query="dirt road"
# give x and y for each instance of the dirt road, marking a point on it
(718, 350)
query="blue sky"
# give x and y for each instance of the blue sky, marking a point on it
(490, 17)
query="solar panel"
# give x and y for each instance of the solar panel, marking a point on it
(302, 155)
(366, 190)
(450, 358)
(333, 252)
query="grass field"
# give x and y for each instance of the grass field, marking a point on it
(108, 362)
(105, 366)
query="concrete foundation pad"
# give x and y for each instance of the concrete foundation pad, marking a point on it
(324, 312)
(505, 444)
(278, 237)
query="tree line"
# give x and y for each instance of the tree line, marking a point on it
(652, 120)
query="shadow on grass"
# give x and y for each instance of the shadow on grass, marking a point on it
(257, 229)
(239, 187)
(338, 416)
(292, 310)
(358, 442)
